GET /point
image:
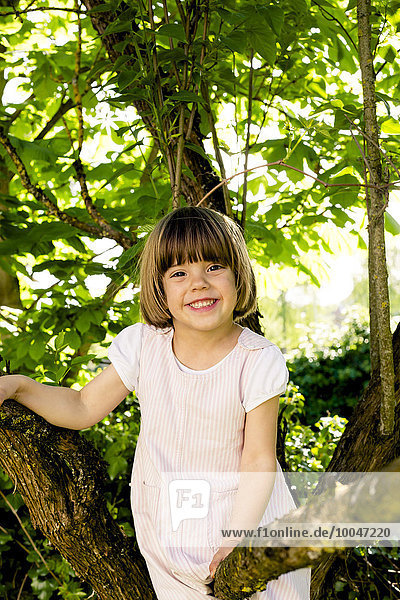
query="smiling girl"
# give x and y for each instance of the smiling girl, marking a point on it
(208, 391)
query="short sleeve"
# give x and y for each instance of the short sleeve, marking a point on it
(124, 354)
(269, 378)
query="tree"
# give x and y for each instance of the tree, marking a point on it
(159, 81)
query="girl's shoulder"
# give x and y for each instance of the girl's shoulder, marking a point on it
(139, 330)
(254, 341)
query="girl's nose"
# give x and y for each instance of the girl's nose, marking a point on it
(199, 281)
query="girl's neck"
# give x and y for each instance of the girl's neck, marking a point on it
(203, 349)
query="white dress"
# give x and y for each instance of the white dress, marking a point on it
(192, 428)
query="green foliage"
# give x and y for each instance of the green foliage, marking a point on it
(308, 447)
(371, 572)
(334, 377)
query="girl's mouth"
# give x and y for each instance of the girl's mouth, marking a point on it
(203, 305)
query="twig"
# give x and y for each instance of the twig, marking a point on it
(28, 536)
(10, 321)
(64, 107)
(373, 142)
(179, 157)
(75, 82)
(364, 157)
(45, 8)
(332, 18)
(181, 130)
(202, 56)
(171, 43)
(106, 228)
(246, 151)
(69, 134)
(181, 10)
(281, 163)
(163, 125)
(218, 156)
(28, 308)
(22, 585)
(40, 195)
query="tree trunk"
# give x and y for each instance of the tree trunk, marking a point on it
(62, 479)
(380, 334)
(362, 448)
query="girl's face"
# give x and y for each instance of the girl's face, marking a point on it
(200, 296)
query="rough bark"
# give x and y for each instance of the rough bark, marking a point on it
(381, 351)
(62, 480)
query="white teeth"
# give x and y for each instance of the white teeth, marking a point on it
(202, 303)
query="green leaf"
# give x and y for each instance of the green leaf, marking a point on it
(390, 125)
(186, 97)
(79, 360)
(83, 322)
(390, 54)
(118, 464)
(37, 350)
(72, 339)
(274, 16)
(107, 7)
(311, 275)
(126, 78)
(391, 225)
(61, 372)
(235, 41)
(176, 55)
(117, 26)
(172, 30)
(130, 254)
(59, 341)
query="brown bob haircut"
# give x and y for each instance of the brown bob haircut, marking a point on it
(191, 234)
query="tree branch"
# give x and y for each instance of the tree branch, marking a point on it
(106, 228)
(247, 147)
(64, 108)
(62, 480)
(376, 229)
(281, 163)
(39, 194)
(75, 82)
(258, 562)
(329, 17)
(17, 13)
(218, 156)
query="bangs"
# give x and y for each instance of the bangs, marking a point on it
(192, 239)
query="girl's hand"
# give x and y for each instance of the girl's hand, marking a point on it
(219, 557)
(8, 387)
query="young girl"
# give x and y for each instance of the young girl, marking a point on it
(209, 393)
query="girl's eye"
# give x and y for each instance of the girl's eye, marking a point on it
(177, 274)
(216, 267)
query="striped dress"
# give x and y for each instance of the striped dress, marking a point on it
(192, 431)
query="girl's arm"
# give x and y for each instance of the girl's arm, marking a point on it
(257, 467)
(66, 407)
(257, 475)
